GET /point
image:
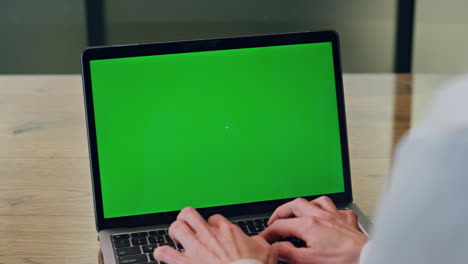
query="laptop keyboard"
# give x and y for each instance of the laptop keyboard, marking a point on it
(138, 247)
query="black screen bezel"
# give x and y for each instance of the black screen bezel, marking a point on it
(134, 50)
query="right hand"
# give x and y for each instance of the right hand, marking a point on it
(331, 235)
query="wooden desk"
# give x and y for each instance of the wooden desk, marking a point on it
(46, 207)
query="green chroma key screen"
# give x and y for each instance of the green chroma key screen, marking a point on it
(215, 128)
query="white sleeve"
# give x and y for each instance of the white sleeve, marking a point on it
(247, 261)
(364, 251)
(423, 217)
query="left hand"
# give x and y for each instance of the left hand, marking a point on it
(216, 241)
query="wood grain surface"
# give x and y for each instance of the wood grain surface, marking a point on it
(46, 207)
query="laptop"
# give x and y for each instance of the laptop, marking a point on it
(235, 126)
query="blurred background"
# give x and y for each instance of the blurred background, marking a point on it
(47, 36)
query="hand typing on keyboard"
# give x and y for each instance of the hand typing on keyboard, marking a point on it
(331, 235)
(300, 231)
(216, 241)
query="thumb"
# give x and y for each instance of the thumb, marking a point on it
(287, 251)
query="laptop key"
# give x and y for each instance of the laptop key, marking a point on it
(156, 239)
(149, 248)
(121, 236)
(128, 251)
(240, 223)
(139, 241)
(140, 234)
(157, 232)
(121, 243)
(168, 239)
(151, 257)
(133, 259)
(244, 228)
(256, 228)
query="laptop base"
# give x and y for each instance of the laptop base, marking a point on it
(137, 244)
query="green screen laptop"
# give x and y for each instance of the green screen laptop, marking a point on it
(235, 126)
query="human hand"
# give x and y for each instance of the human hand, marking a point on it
(331, 235)
(216, 241)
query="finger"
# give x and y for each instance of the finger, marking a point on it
(218, 221)
(296, 227)
(226, 236)
(203, 230)
(288, 252)
(350, 217)
(297, 208)
(181, 233)
(325, 203)
(169, 255)
(260, 240)
(195, 221)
